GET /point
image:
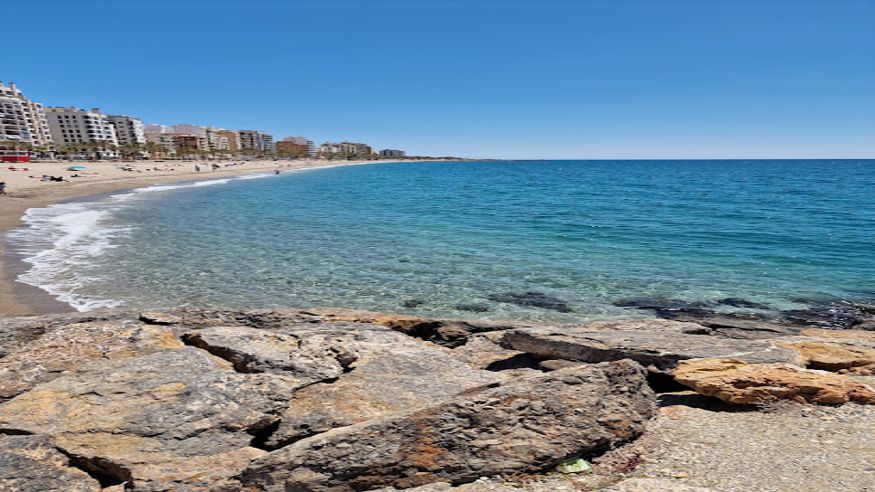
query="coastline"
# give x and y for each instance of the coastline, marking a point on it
(17, 298)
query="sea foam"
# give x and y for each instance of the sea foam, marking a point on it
(59, 241)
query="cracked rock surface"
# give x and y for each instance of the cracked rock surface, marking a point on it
(340, 400)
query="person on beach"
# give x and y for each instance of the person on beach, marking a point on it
(197, 168)
(2, 187)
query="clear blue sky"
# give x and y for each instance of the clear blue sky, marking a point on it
(499, 78)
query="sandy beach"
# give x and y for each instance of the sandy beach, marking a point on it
(25, 190)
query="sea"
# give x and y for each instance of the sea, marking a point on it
(553, 241)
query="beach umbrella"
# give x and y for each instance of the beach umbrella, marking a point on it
(76, 168)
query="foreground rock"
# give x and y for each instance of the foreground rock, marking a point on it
(32, 464)
(389, 373)
(78, 344)
(835, 357)
(523, 425)
(159, 420)
(447, 332)
(327, 399)
(741, 383)
(250, 350)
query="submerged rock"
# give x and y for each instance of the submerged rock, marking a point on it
(521, 425)
(741, 303)
(737, 382)
(472, 307)
(532, 299)
(837, 315)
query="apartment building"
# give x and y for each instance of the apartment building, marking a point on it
(393, 153)
(164, 144)
(295, 147)
(256, 141)
(22, 120)
(128, 130)
(72, 126)
(232, 138)
(345, 148)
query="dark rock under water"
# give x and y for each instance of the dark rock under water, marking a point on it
(532, 299)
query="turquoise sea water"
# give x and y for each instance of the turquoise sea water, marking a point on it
(453, 237)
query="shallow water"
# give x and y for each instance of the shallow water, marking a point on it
(453, 235)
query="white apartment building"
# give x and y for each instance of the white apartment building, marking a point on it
(218, 140)
(345, 148)
(71, 126)
(22, 120)
(128, 130)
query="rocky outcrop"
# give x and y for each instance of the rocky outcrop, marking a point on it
(32, 464)
(450, 333)
(179, 416)
(327, 399)
(523, 424)
(659, 349)
(737, 382)
(76, 345)
(250, 350)
(396, 375)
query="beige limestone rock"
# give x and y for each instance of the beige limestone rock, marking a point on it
(65, 350)
(836, 357)
(738, 382)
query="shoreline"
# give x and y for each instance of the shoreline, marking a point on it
(20, 299)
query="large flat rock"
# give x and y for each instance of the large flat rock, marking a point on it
(60, 351)
(408, 378)
(737, 382)
(520, 425)
(659, 350)
(159, 420)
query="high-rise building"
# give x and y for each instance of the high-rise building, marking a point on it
(256, 141)
(70, 126)
(346, 149)
(128, 130)
(22, 120)
(393, 153)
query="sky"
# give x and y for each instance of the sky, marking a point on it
(517, 79)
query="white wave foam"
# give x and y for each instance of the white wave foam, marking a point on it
(58, 241)
(61, 241)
